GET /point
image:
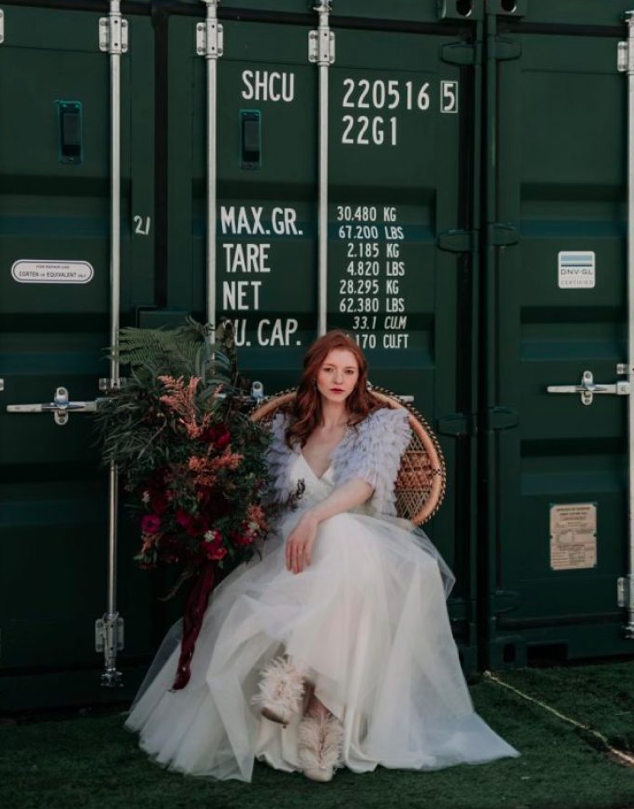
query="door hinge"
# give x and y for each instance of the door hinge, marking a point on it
(625, 51)
(502, 234)
(113, 34)
(457, 424)
(210, 40)
(506, 49)
(460, 53)
(458, 241)
(501, 418)
(321, 47)
(109, 630)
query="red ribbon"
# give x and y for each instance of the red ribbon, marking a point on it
(195, 607)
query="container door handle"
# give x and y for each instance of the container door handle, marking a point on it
(60, 407)
(588, 388)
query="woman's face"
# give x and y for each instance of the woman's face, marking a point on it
(338, 375)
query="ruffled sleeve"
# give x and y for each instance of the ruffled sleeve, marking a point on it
(374, 454)
(277, 456)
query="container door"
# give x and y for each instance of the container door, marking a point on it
(556, 315)
(54, 326)
(402, 185)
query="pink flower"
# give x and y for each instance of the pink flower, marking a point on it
(150, 524)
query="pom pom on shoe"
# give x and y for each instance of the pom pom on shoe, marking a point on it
(281, 690)
(320, 745)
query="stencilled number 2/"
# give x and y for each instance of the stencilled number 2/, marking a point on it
(449, 96)
(142, 225)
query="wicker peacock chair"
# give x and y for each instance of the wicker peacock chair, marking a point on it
(422, 477)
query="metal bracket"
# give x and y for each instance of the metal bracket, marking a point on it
(458, 424)
(101, 631)
(109, 640)
(458, 241)
(113, 34)
(210, 39)
(459, 53)
(321, 49)
(1, 26)
(625, 598)
(60, 407)
(587, 388)
(625, 53)
(257, 391)
(501, 418)
(106, 384)
(507, 49)
(503, 234)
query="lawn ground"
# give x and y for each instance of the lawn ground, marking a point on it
(86, 760)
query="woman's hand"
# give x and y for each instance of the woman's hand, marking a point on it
(299, 544)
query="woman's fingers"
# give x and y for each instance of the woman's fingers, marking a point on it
(293, 557)
(298, 554)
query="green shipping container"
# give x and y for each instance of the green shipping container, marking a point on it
(473, 229)
(556, 307)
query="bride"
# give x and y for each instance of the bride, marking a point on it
(334, 649)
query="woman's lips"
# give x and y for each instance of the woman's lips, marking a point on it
(336, 390)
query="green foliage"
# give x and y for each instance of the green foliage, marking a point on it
(132, 427)
(191, 460)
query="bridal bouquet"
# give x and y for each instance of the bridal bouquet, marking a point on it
(191, 460)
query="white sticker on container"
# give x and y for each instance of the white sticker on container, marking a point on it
(573, 536)
(576, 269)
(30, 271)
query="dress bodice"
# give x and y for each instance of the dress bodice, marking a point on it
(316, 488)
(370, 450)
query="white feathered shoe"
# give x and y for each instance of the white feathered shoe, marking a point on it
(320, 745)
(280, 690)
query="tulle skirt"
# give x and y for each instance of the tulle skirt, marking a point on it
(368, 620)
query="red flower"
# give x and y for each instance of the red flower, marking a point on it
(158, 502)
(182, 517)
(213, 547)
(197, 525)
(242, 539)
(150, 524)
(218, 435)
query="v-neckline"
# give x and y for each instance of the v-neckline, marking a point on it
(310, 468)
(332, 455)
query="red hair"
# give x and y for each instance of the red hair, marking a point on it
(306, 409)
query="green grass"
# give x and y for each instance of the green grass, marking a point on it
(91, 762)
(599, 695)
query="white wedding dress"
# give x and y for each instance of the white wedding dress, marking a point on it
(369, 619)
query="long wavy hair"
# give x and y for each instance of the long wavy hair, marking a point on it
(306, 408)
